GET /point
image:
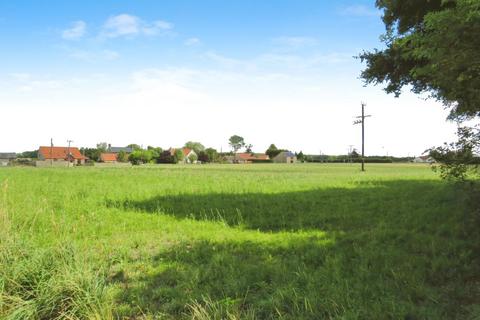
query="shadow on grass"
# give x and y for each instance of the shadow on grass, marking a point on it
(391, 250)
(325, 209)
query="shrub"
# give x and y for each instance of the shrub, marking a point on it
(166, 157)
(203, 157)
(122, 156)
(192, 158)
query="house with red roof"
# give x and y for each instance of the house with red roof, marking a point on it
(247, 157)
(66, 154)
(109, 157)
(187, 154)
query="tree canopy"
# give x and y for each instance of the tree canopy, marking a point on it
(212, 155)
(236, 143)
(273, 151)
(140, 156)
(122, 156)
(178, 156)
(432, 47)
(195, 146)
(134, 146)
(459, 160)
(102, 146)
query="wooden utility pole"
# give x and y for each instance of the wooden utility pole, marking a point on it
(350, 150)
(68, 151)
(362, 121)
(51, 151)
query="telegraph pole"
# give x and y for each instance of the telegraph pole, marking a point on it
(51, 151)
(349, 155)
(362, 121)
(68, 151)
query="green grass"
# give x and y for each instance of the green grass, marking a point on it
(237, 242)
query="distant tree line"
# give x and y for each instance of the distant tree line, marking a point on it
(202, 154)
(156, 154)
(350, 159)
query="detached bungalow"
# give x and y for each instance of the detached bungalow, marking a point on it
(67, 154)
(285, 157)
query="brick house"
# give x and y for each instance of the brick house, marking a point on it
(66, 154)
(246, 157)
(108, 157)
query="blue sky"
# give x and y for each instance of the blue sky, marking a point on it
(171, 71)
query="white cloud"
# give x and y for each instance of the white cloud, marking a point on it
(110, 55)
(20, 76)
(25, 82)
(121, 25)
(157, 27)
(24, 89)
(361, 11)
(77, 30)
(225, 61)
(284, 62)
(93, 56)
(162, 88)
(130, 26)
(295, 42)
(192, 42)
(210, 104)
(306, 61)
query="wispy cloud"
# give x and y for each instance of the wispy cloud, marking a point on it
(360, 11)
(93, 56)
(76, 31)
(225, 61)
(192, 42)
(26, 82)
(282, 62)
(125, 25)
(20, 76)
(295, 42)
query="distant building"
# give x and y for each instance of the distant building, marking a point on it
(66, 154)
(247, 157)
(6, 158)
(187, 152)
(117, 150)
(108, 157)
(285, 157)
(423, 159)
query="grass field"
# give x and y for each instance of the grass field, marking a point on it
(236, 242)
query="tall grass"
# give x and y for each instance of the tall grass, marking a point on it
(54, 282)
(236, 242)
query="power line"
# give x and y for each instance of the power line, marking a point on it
(362, 121)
